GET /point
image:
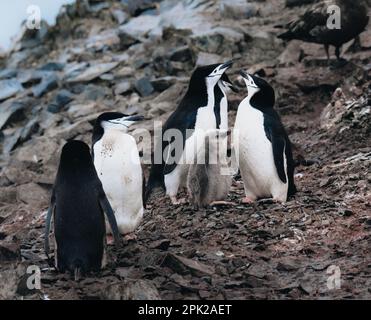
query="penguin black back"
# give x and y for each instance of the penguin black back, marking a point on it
(78, 203)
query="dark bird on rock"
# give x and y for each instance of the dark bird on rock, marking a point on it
(315, 24)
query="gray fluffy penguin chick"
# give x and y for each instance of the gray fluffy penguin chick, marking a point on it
(208, 179)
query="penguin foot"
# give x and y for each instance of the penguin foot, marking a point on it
(222, 203)
(110, 240)
(247, 200)
(130, 237)
(176, 201)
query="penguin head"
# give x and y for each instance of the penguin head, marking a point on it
(226, 84)
(116, 121)
(260, 93)
(207, 76)
(75, 156)
(112, 121)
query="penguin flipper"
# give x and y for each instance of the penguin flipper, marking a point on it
(279, 146)
(106, 206)
(48, 223)
(144, 191)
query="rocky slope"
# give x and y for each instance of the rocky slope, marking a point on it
(136, 57)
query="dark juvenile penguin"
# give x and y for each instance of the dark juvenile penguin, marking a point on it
(312, 25)
(117, 161)
(78, 204)
(195, 112)
(208, 180)
(263, 149)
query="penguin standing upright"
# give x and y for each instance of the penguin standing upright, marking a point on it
(196, 111)
(117, 161)
(221, 101)
(207, 181)
(78, 204)
(263, 148)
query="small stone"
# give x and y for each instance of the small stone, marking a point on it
(123, 87)
(182, 54)
(9, 251)
(48, 83)
(9, 88)
(131, 290)
(120, 16)
(144, 87)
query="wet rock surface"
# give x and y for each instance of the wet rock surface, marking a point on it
(136, 57)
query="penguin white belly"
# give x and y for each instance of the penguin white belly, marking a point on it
(117, 163)
(205, 121)
(224, 113)
(255, 157)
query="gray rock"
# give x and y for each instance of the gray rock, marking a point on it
(33, 195)
(30, 129)
(120, 16)
(237, 9)
(98, 7)
(31, 38)
(131, 290)
(9, 88)
(52, 66)
(123, 87)
(93, 72)
(219, 40)
(107, 39)
(126, 40)
(144, 87)
(205, 58)
(182, 54)
(8, 74)
(48, 83)
(183, 265)
(162, 84)
(9, 279)
(12, 140)
(9, 251)
(137, 7)
(94, 92)
(11, 112)
(63, 98)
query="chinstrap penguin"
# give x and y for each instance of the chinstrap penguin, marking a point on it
(116, 159)
(195, 112)
(263, 149)
(78, 204)
(208, 179)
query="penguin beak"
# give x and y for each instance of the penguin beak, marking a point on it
(249, 80)
(244, 74)
(226, 65)
(134, 118)
(127, 121)
(230, 85)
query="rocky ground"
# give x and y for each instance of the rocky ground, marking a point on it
(136, 57)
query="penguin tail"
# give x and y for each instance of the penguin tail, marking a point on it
(77, 273)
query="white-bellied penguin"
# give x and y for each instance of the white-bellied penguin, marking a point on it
(78, 204)
(116, 159)
(263, 148)
(196, 112)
